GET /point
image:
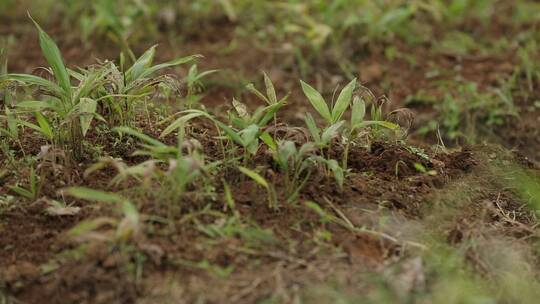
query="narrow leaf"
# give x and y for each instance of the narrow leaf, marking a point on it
(312, 127)
(44, 125)
(270, 90)
(255, 177)
(93, 195)
(179, 123)
(139, 135)
(343, 101)
(331, 132)
(87, 106)
(317, 101)
(358, 111)
(54, 58)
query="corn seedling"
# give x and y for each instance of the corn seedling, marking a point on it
(65, 114)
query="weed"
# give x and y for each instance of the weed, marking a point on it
(65, 114)
(31, 192)
(295, 164)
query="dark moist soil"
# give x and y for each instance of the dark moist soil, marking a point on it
(39, 261)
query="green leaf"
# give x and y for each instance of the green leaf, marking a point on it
(143, 63)
(90, 225)
(287, 150)
(228, 195)
(343, 101)
(180, 122)
(255, 177)
(269, 141)
(382, 123)
(240, 108)
(36, 80)
(139, 135)
(12, 123)
(312, 127)
(337, 171)
(90, 80)
(87, 107)
(44, 126)
(258, 93)
(330, 132)
(249, 134)
(22, 192)
(270, 90)
(35, 105)
(317, 101)
(230, 132)
(269, 113)
(153, 69)
(358, 111)
(93, 195)
(54, 58)
(130, 212)
(325, 217)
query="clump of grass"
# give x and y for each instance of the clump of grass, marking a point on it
(63, 114)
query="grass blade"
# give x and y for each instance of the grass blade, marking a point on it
(54, 58)
(139, 135)
(254, 176)
(44, 125)
(93, 195)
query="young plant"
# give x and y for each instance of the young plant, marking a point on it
(333, 123)
(132, 86)
(11, 129)
(270, 98)
(295, 164)
(127, 229)
(195, 85)
(183, 168)
(245, 130)
(331, 115)
(357, 124)
(65, 113)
